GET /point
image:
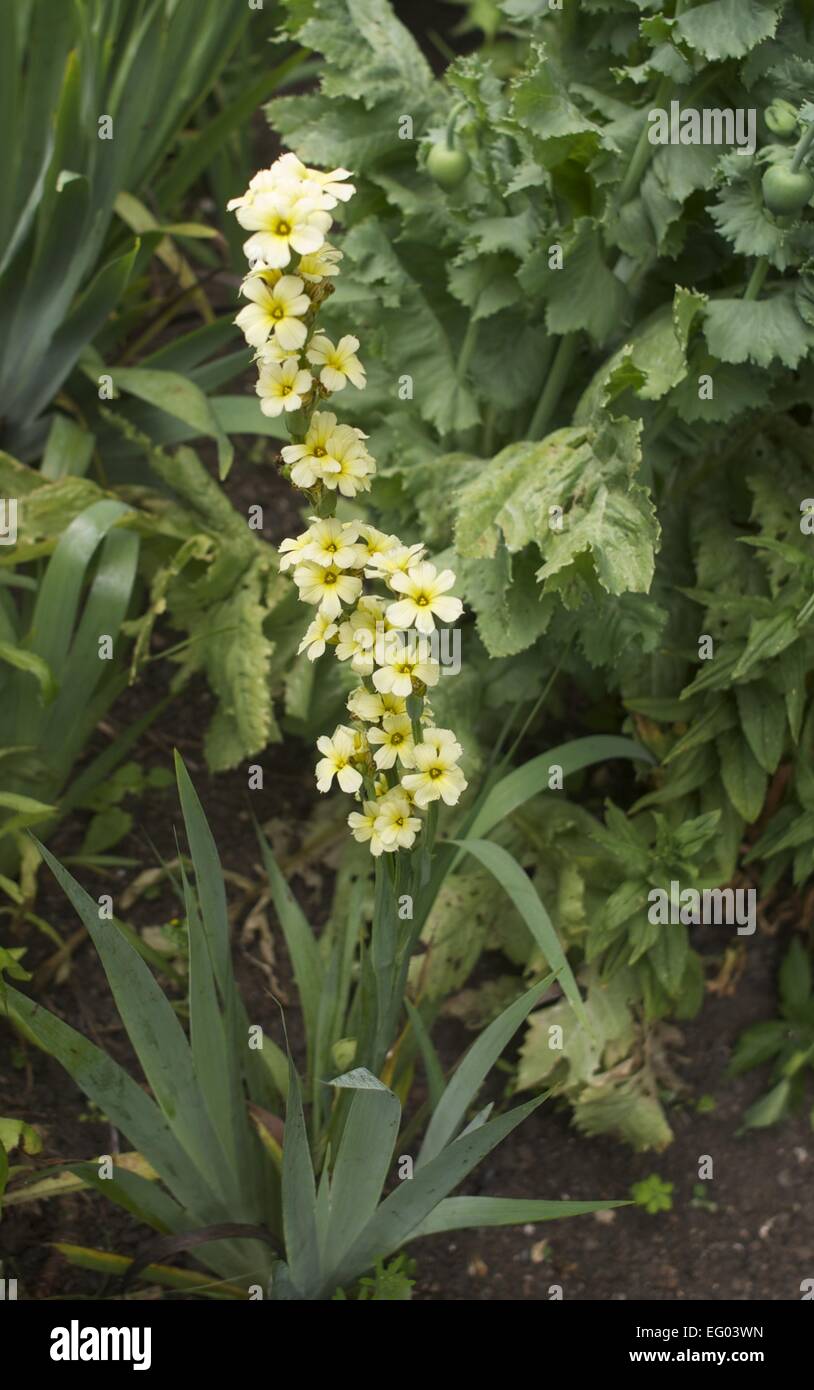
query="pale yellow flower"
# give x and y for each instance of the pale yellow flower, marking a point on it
(277, 307)
(271, 352)
(363, 827)
(397, 559)
(330, 184)
(404, 663)
(313, 459)
(443, 739)
(375, 544)
(282, 385)
(292, 550)
(357, 638)
(321, 264)
(370, 705)
(437, 774)
(329, 587)
(338, 362)
(282, 222)
(394, 825)
(337, 753)
(425, 598)
(333, 542)
(396, 739)
(356, 467)
(320, 631)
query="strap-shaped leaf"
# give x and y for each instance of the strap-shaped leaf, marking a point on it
(301, 944)
(466, 1081)
(526, 899)
(158, 1040)
(299, 1196)
(462, 1213)
(524, 782)
(363, 1160)
(406, 1208)
(127, 1106)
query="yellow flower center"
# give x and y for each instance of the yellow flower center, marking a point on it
(283, 228)
(329, 578)
(332, 547)
(278, 312)
(435, 772)
(285, 390)
(422, 600)
(396, 739)
(319, 452)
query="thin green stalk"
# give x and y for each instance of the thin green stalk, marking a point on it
(759, 273)
(467, 348)
(542, 697)
(383, 960)
(555, 382)
(643, 151)
(803, 146)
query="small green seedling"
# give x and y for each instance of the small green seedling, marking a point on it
(653, 1194)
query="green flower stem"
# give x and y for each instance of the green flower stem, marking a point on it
(555, 382)
(454, 116)
(643, 152)
(803, 145)
(759, 273)
(467, 349)
(383, 958)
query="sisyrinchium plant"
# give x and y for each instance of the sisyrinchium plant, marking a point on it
(261, 1209)
(392, 756)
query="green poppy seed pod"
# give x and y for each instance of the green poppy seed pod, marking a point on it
(785, 190)
(448, 165)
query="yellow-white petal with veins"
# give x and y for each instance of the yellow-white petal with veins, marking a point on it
(396, 739)
(320, 631)
(371, 705)
(282, 223)
(334, 543)
(363, 827)
(329, 587)
(437, 774)
(282, 385)
(338, 363)
(424, 598)
(337, 753)
(276, 308)
(402, 665)
(394, 824)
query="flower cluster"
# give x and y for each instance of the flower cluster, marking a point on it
(390, 755)
(288, 210)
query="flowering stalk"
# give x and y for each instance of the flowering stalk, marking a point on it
(378, 603)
